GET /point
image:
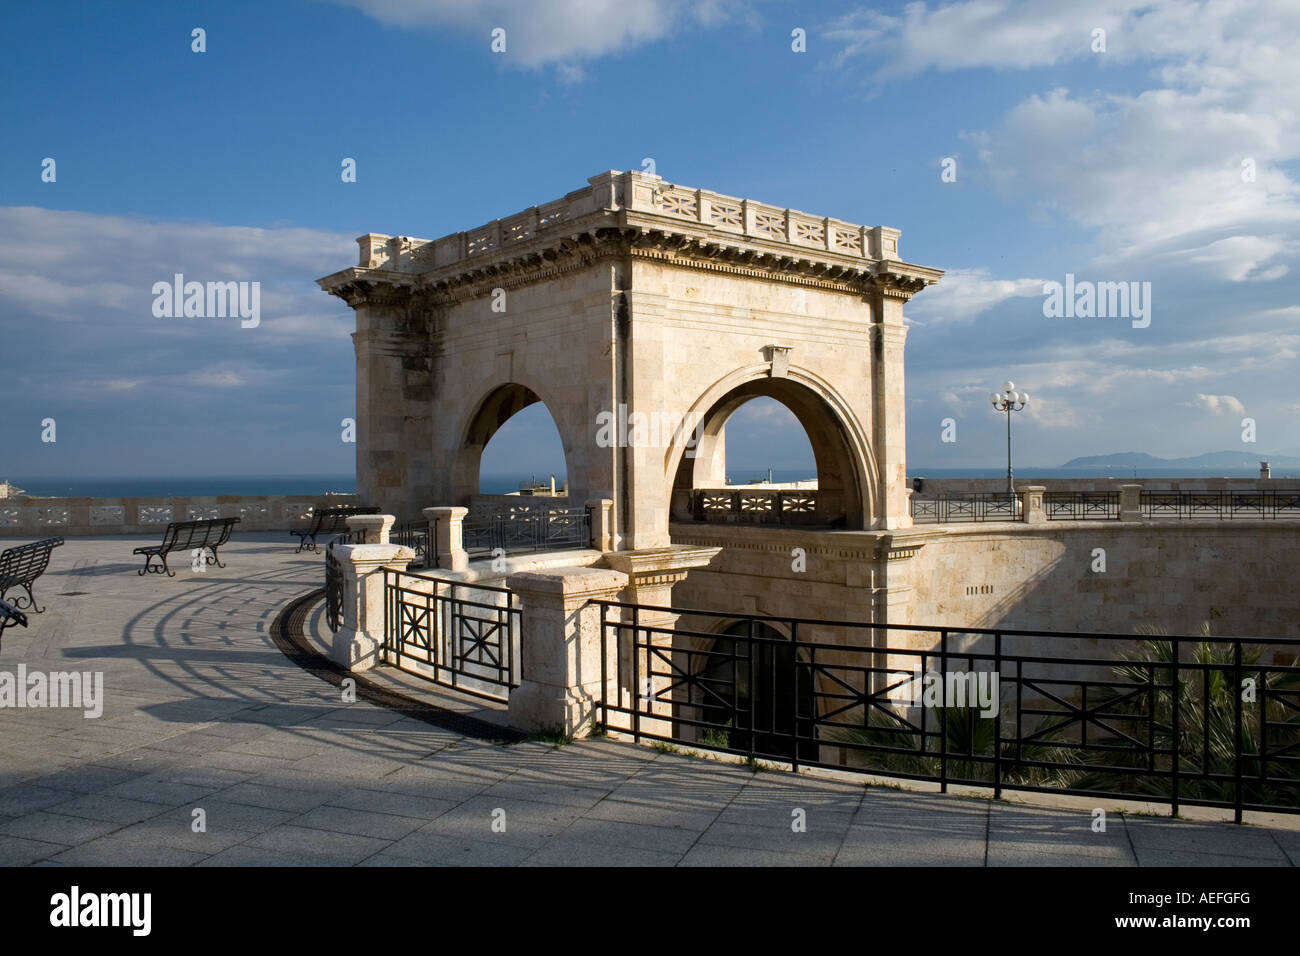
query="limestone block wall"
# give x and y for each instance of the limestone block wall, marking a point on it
(1234, 574)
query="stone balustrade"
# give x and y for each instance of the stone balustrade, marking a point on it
(28, 516)
(647, 197)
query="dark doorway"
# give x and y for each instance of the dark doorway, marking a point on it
(756, 694)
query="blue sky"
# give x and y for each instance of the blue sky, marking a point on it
(1119, 165)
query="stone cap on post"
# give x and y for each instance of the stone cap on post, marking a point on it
(447, 536)
(1031, 503)
(373, 528)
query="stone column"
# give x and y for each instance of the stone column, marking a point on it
(1031, 504)
(357, 643)
(602, 522)
(560, 647)
(445, 529)
(371, 529)
(1130, 502)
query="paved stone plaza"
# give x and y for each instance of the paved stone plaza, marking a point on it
(204, 711)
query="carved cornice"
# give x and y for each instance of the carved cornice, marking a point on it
(361, 287)
(896, 280)
(510, 269)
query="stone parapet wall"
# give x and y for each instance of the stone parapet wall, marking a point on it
(27, 516)
(934, 487)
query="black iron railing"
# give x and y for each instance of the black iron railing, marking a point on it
(517, 528)
(333, 586)
(1081, 505)
(413, 535)
(975, 506)
(1220, 504)
(1181, 720)
(455, 634)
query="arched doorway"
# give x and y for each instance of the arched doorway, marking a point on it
(756, 692)
(513, 431)
(839, 500)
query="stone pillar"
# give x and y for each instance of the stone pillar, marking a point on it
(394, 397)
(371, 529)
(560, 647)
(906, 521)
(1031, 504)
(445, 527)
(1130, 502)
(357, 643)
(602, 522)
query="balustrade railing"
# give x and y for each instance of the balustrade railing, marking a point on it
(975, 506)
(1157, 719)
(459, 635)
(1221, 504)
(755, 506)
(1081, 505)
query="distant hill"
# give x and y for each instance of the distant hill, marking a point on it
(1212, 459)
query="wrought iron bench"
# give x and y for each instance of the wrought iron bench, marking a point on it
(21, 566)
(328, 521)
(207, 533)
(9, 616)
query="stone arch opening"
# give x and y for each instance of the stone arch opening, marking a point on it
(842, 498)
(746, 679)
(501, 404)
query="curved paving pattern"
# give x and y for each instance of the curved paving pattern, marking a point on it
(205, 712)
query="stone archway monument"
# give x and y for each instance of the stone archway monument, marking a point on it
(641, 314)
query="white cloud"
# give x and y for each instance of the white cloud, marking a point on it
(1218, 403)
(563, 32)
(963, 294)
(91, 270)
(1156, 172)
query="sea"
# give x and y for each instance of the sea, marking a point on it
(177, 486)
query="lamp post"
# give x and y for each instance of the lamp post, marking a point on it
(1009, 401)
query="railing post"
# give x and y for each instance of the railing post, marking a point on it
(447, 524)
(1236, 698)
(560, 647)
(357, 643)
(602, 512)
(997, 717)
(1031, 504)
(1130, 502)
(372, 529)
(1175, 691)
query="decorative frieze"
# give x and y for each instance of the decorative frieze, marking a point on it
(107, 515)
